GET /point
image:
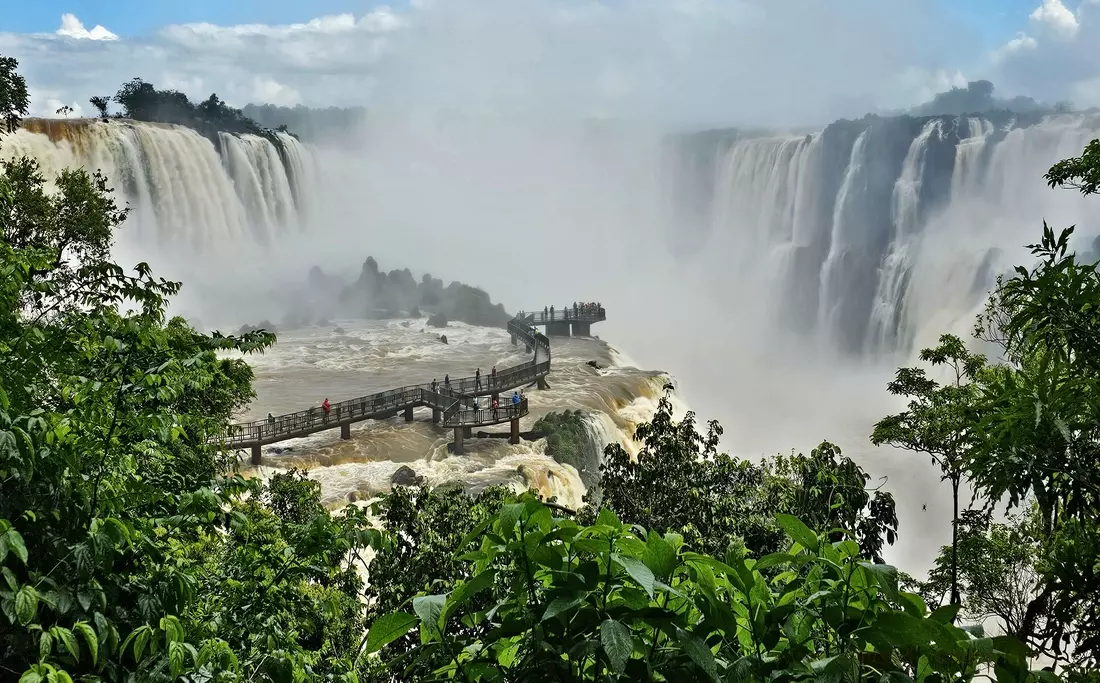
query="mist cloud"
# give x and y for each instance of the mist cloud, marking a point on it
(686, 62)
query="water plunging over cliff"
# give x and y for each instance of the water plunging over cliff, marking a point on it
(872, 236)
(183, 187)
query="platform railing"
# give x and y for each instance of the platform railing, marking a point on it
(437, 395)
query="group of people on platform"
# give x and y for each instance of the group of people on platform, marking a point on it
(579, 310)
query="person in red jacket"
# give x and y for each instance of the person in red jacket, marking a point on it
(325, 406)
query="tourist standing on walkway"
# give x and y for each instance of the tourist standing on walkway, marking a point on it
(435, 387)
(496, 405)
(515, 399)
(477, 380)
(447, 381)
(551, 312)
(493, 377)
(545, 312)
(325, 406)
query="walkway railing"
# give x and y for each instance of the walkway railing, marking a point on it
(439, 396)
(561, 315)
(464, 416)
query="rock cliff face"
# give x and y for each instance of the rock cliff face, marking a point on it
(380, 295)
(864, 232)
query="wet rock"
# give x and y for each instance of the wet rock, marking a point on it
(324, 322)
(405, 324)
(594, 364)
(338, 330)
(437, 320)
(352, 497)
(265, 325)
(278, 450)
(443, 338)
(406, 476)
(415, 312)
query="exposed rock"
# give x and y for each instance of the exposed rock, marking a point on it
(406, 476)
(281, 449)
(352, 497)
(339, 330)
(594, 364)
(405, 324)
(415, 312)
(437, 320)
(324, 322)
(443, 338)
(265, 325)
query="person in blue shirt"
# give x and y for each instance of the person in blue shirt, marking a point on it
(515, 398)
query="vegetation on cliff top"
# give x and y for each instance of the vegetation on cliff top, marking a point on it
(131, 550)
(141, 101)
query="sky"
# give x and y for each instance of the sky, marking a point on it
(690, 61)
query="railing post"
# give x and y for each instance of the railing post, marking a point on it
(256, 454)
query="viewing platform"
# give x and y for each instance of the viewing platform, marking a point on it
(568, 321)
(452, 403)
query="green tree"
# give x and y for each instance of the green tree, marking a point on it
(939, 421)
(680, 482)
(14, 101)
(100, 103)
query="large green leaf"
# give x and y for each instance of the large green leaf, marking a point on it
(386, 629)
(562, 603)
(698, 652)
(660, 556)
(617, 643)
(799, 532)
(637, 571)
(26, 604)
(428, 608)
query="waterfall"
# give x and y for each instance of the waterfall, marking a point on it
(183, 189)
(872, 237)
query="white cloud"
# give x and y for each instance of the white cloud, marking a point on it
(272, 92)
(1057, 60)
(71, 27)
(707, 62)
(1056, 18)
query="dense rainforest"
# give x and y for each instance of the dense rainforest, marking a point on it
(131, 548)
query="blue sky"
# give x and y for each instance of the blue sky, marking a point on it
(136, 17)
(993, 21)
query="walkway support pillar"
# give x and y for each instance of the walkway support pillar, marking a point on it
(542, 383)
(558, 328)
(515, 340)
(514, 437)
(409, 414)
(255, 455)
(468, 432)
(345, 431)
(437, 415)
(582, 329)
(458, 441)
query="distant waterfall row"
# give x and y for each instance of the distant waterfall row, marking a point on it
(872, 236)
(183, 188)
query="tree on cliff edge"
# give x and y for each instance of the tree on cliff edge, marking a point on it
(14, 101)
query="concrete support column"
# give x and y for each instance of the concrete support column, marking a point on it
(582, 329)
(515, 340)
(437, 415)
(255, 455)
(409, 414)
(541, 384)
(514, 437)
(459, 450)
(345, 431)
(468, 432)
(558, 328)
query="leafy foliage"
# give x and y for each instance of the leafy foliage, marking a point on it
(1079, 173)
(14, 101)
(611, 601)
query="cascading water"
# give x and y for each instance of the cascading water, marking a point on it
(182, 188)
(873, 236)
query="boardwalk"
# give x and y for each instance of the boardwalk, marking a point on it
(452, 405)
(568, 320)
